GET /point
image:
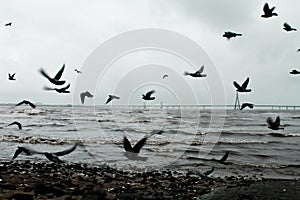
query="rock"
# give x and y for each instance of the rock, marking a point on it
(20, 196)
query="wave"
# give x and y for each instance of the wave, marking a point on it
(284, 134)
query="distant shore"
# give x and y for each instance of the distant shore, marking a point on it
(45, 180)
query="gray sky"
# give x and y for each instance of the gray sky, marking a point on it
(46, 34)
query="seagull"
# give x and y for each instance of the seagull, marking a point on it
(288, 28)
(59, 90)
(165, 76)
(197, 73)
(244, 105)
(27, 103)
(294, 72)
(85, 94)
(147, 96)
(274, 125)
(56, 78)
(268, 12)
(8, 24)
(242, 88)
(54, 157)
(230, 34)
(11, 77)
(111, 97)
(79, 72)
(16, 123)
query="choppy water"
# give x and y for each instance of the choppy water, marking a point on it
(190, 139)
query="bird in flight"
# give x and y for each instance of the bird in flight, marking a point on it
(110, 98)
(242, 88)
(16, 123)
(165, 76)
(56, 78)
(11, 77)
(8, 24)
(274, 125)
(288, 28)
(54, 157)
(294, 72)
(268, 12)
(148, 96)
(79, 72)
(59, 90)
(244, 105)
(83, 95)
(230, 34)
(197, 74)
(27, 103)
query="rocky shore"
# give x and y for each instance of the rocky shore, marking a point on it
(45, 180)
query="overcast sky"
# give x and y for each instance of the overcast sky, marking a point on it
(46, 34)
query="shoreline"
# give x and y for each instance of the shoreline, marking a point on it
(47, 180)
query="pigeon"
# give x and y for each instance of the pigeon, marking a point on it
(59, 90)
(111, 97)
(230, 34)
(268, 12)
(197, 74)
(165, 76)
(244, 105)
(242, 88)
(27, 103)
(16, 123)
(56, 78)
(288, 28)
(274, 125)
(8, 24)
(11, 77)
(148, 96)
(85, 94)
(79, 72)
(54, 157)
(294, 72)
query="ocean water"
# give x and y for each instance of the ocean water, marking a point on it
(191, 138)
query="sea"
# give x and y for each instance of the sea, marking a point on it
(179, 138)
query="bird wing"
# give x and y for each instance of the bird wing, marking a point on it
(237, 85)
(137, 147)
(270, 121)
(287, 26)
(277, 122)
(266, 8)
(243, 106)
(245, 84)
(45, 74)
(59, 73)
(17, 152)
(148, 94)
(29, 103)
(67, 87)
(16, 123)
(66, 151)
(109, 99)
(201, 69)
(88, 94)
(127, 145)
(20, 103)
(82, 97)
(224, 158)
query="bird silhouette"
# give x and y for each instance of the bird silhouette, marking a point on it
(59, 90)
(79, 72)
(11, 77)
(294, 72)
(244, 105)
(110, 98)
(16, 123)
(242, 88)
(56, 78)
(229, 34)
(83, 95)
(27, 103)
(274, 125)
(54, 157)
(148, 96)
(8, 24)
(288, 28)
(165, 76)
(197, 74)
(268, 12)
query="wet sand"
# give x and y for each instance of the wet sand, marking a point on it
(46, 180)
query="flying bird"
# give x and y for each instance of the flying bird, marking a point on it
(110, 98)
(16, 123)
(79, 72)
(51, 156)
(294, 72)
(56, 78)
(230, 34)
(244, 105)
(288, 28)
(26, 102)
(197, 74)
(242, 88)
(59, 90)
(274, 125)
(268, 12)
(165, 76)
(83, 95)
(8, 24)
(148, 96)
(11, 77)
